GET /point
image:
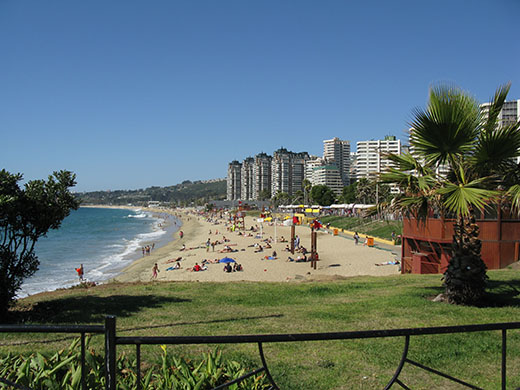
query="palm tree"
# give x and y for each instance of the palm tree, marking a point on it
(307, 186)
(478, 153)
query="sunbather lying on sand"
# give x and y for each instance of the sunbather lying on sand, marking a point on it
(299, 259)
(173, 260)
(176, 266)
(395, 262)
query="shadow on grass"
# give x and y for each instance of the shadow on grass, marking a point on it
(499, 293)
(89, 309)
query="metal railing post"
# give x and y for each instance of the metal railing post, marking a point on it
(110, 352)
(83, 383)
(138, 357)
(504, 357)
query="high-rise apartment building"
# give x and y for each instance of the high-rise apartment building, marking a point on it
(247, 179)
(261, 175)
(234, 185)
(287, 171)
(510, 112)
(298, 171)
(370, 159)
(329, 176)
(310, 164)
(337, 152)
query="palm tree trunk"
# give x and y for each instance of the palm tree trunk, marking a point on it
(465, 278)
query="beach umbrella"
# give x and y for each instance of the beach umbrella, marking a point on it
(226, 260)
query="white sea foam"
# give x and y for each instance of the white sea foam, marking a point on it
(142, 215)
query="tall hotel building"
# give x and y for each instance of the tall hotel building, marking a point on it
(234, 185)
(337, 152)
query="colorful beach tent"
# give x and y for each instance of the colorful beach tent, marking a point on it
(227, 260)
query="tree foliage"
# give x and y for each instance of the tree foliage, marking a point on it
(371, 192)
(322, 195)
(348, 194)
(264, 194)
(26, 214)
(281, 198)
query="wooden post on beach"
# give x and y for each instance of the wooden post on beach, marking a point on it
(314, 248)
(293, 237)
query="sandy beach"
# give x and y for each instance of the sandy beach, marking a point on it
(339, 256)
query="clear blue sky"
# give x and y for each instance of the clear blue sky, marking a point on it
(131, 94)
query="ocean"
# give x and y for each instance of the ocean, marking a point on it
(104, 240)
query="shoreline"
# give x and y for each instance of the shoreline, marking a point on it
(169, 239)
(164, 220)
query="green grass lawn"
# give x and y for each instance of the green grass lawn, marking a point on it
(360, 303)
(382, 229)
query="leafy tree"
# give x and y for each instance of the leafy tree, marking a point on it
(264, 194)
(348, 194)
(25, 216)
(298, 197)
(478, 153)
(281, 198)
(372, 192)
(322, 195)
(365, 191)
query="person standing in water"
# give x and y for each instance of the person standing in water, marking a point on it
(80, 272)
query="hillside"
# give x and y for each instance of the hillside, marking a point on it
(185, 193)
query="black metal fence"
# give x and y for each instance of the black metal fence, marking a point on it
(112, 341)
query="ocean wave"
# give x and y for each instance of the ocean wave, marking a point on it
(142, 215)
(145, 237)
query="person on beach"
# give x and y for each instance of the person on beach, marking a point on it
(208, 243)
(80, 272)
(227, 268)
(155, 271)
(181, 234)
(356, 238)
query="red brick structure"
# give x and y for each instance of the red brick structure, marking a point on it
(426, 246)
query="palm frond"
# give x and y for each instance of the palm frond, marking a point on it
(494, 150)
(514, 195)
(460, 198)
(448, 127)
(415, 206)
(495, 107)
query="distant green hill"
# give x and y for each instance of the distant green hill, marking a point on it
(185, 193)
